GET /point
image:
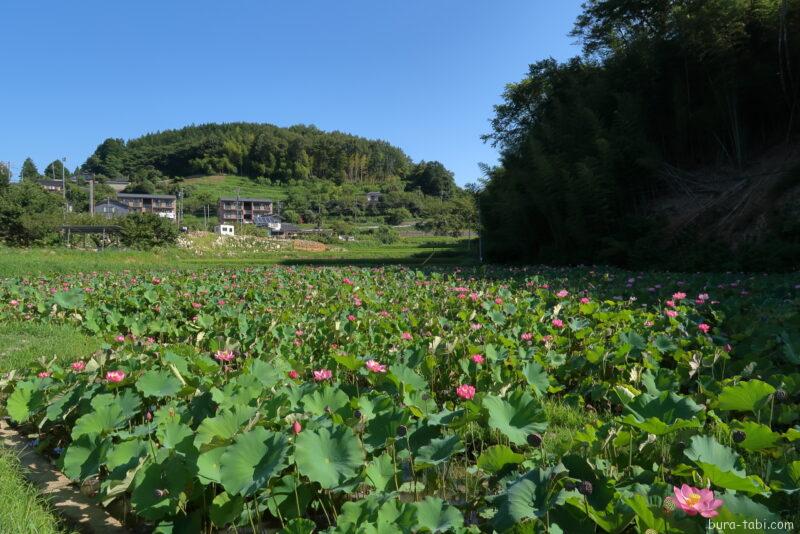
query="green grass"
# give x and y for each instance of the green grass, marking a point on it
(410, 251)
(225, 186)
(23, 511)
(21, 345)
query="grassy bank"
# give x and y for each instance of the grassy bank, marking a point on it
(20, 262)
(23, 510)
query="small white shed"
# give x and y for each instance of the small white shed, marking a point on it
(224, 229)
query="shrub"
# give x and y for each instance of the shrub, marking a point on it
(395, 216)
(386, 235)
(147, 230)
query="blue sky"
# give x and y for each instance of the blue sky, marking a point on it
(421, 74)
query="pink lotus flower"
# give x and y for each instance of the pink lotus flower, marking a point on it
(148, 416)
(115, 376)
(14, 303)
(695, 501)
(680, 295)
(704, 328)
(196, 305)
(351, 317)
(220, 302)
(585, 300)
(78, 366)
(375, 367)
(527, 336)
(558, 323)
(347, 282)
(297, 427)
(298, 332)
(150, 340)
(120, 339)
(498, 300)
(44, 374)
(322, 375)
(293, 374)
(465, 391)
(477, 358)
(672, 313)
(562, 294)
(671, 303)
(473, 297)
(224, 355)
(406, 336)
(156, 281)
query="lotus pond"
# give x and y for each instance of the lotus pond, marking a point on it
(395, 400)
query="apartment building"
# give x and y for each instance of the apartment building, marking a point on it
(161, 205)
(243, 210)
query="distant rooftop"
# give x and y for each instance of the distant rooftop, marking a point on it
(245, 199)
(143, 195)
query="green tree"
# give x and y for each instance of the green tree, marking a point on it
(54, 169)
(29, 171)
(395, 216)
(29, 215)
(147, 230)
(5, 176)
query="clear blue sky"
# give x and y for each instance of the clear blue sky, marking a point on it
(421, 74)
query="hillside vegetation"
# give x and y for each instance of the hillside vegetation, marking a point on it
(671, 141)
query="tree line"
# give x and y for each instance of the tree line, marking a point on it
(663, 88)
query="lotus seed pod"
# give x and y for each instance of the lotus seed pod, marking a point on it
(739, 436)
(781, 395)
(585, 488)
(669, 505)
(357, 414)
(534, 440)
(402, 430)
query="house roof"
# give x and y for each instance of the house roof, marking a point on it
(50, 182)
(288, 228)
(245, 199)
(143, 195)
(268, 219)
(374, 193)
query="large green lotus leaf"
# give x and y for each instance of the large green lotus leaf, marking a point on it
(223, 426)
(328, 398)
(720, 465)
(758, 436)
(498, 457)
(69, 300)
(208, 466)
(24, 401)
(158, 384)
(439, 450)
(793, 434)
(125, 455)
(738, 513)
(104, 418)
(256, 456)
(225, 509)
(329, 458)
(745, 396)
(381, 473)
(527, 497)
(401, 374)
(787, 478)
(537, 378)
(176, 435)
(157, 488)
(62, 404)
(84, 456)
(268, 374)
(129, 402)
(376, 514)
(644, 513)
(663, 413)
(517, 417)
(434, 515)
(383, 426)
(289, 498)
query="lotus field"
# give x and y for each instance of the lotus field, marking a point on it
(394, 400)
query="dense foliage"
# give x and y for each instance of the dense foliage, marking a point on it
(29, 215)
(254, 150)
(590, 146)
(391, 400)
(147, 230)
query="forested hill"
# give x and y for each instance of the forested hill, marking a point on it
(672, 141)
(255, 150)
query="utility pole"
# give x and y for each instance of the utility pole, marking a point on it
(91, 195)
(180, 208)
